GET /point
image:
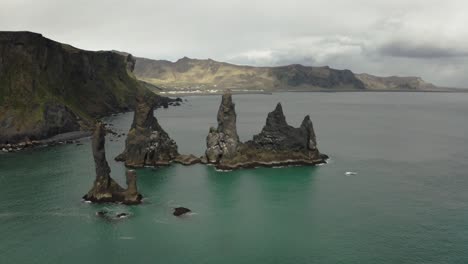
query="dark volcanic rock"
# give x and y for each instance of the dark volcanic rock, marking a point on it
(105, 189)
(278, 135)
(277, 144)
(147, 144)
(178, 211)
(187, 159)
(223, 142)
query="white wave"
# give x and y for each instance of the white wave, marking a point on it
(126, 237)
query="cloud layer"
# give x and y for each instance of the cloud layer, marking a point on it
(427, 38)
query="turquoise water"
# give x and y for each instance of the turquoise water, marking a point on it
(407, 204)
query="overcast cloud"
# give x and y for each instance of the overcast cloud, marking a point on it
(427, 38)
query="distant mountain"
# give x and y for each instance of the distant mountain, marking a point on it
(204, 75)
(395, 83)
(47, 87)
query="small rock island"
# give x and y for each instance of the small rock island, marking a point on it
(105, 189)
(278, 144)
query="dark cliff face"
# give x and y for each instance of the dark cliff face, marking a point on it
(277, 144)
(48, 87)
(323, 77)
(105, 189)
(147, 143)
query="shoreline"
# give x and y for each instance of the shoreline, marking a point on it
(59, 139)
(181, 94)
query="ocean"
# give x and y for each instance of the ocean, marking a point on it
(407, 202)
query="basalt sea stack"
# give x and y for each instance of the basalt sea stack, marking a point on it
(277, 144)
(222, 142)
(147, 144)
(105, 189)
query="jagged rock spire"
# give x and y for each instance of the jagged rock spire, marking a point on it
(277, 144)
(276, 118)
(227, 117)
(147, 143)
(278, 135)
(223, 141)
(105, 189)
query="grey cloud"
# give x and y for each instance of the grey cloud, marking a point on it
(387, 37)
(423, 51)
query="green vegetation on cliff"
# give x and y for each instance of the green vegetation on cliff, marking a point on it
(204, 75)
(48, 87)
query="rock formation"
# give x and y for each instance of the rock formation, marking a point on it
(179, 211)
(222, 142)
(277, 144)
(278, 135)
(147, 144)
(187, 159)
(105, 189)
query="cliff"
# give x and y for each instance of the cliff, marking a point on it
(395, 83)
(277, 144)
(208, 75)
(48, 88)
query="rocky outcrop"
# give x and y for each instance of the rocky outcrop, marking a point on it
(278, 143)
(48, 88)
(222, 142)
(105, 189)
(147, 144)
(179, 211)
(187, 159)
(278, 135)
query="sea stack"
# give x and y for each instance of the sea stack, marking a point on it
(278, 144)
(105, 189)
(147, 144)
(278, 135)
(222, 142)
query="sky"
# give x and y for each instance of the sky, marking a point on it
(427, 38)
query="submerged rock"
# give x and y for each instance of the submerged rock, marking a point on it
(105, 189)
(178, 211)
(277, 144)
(147, 144)
(122, 215)
(107, 216)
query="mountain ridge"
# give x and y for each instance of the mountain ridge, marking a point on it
(188, 74)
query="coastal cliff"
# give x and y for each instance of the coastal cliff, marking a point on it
(278, 143)
(147, 143)
(48, 88)
(105, 189)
